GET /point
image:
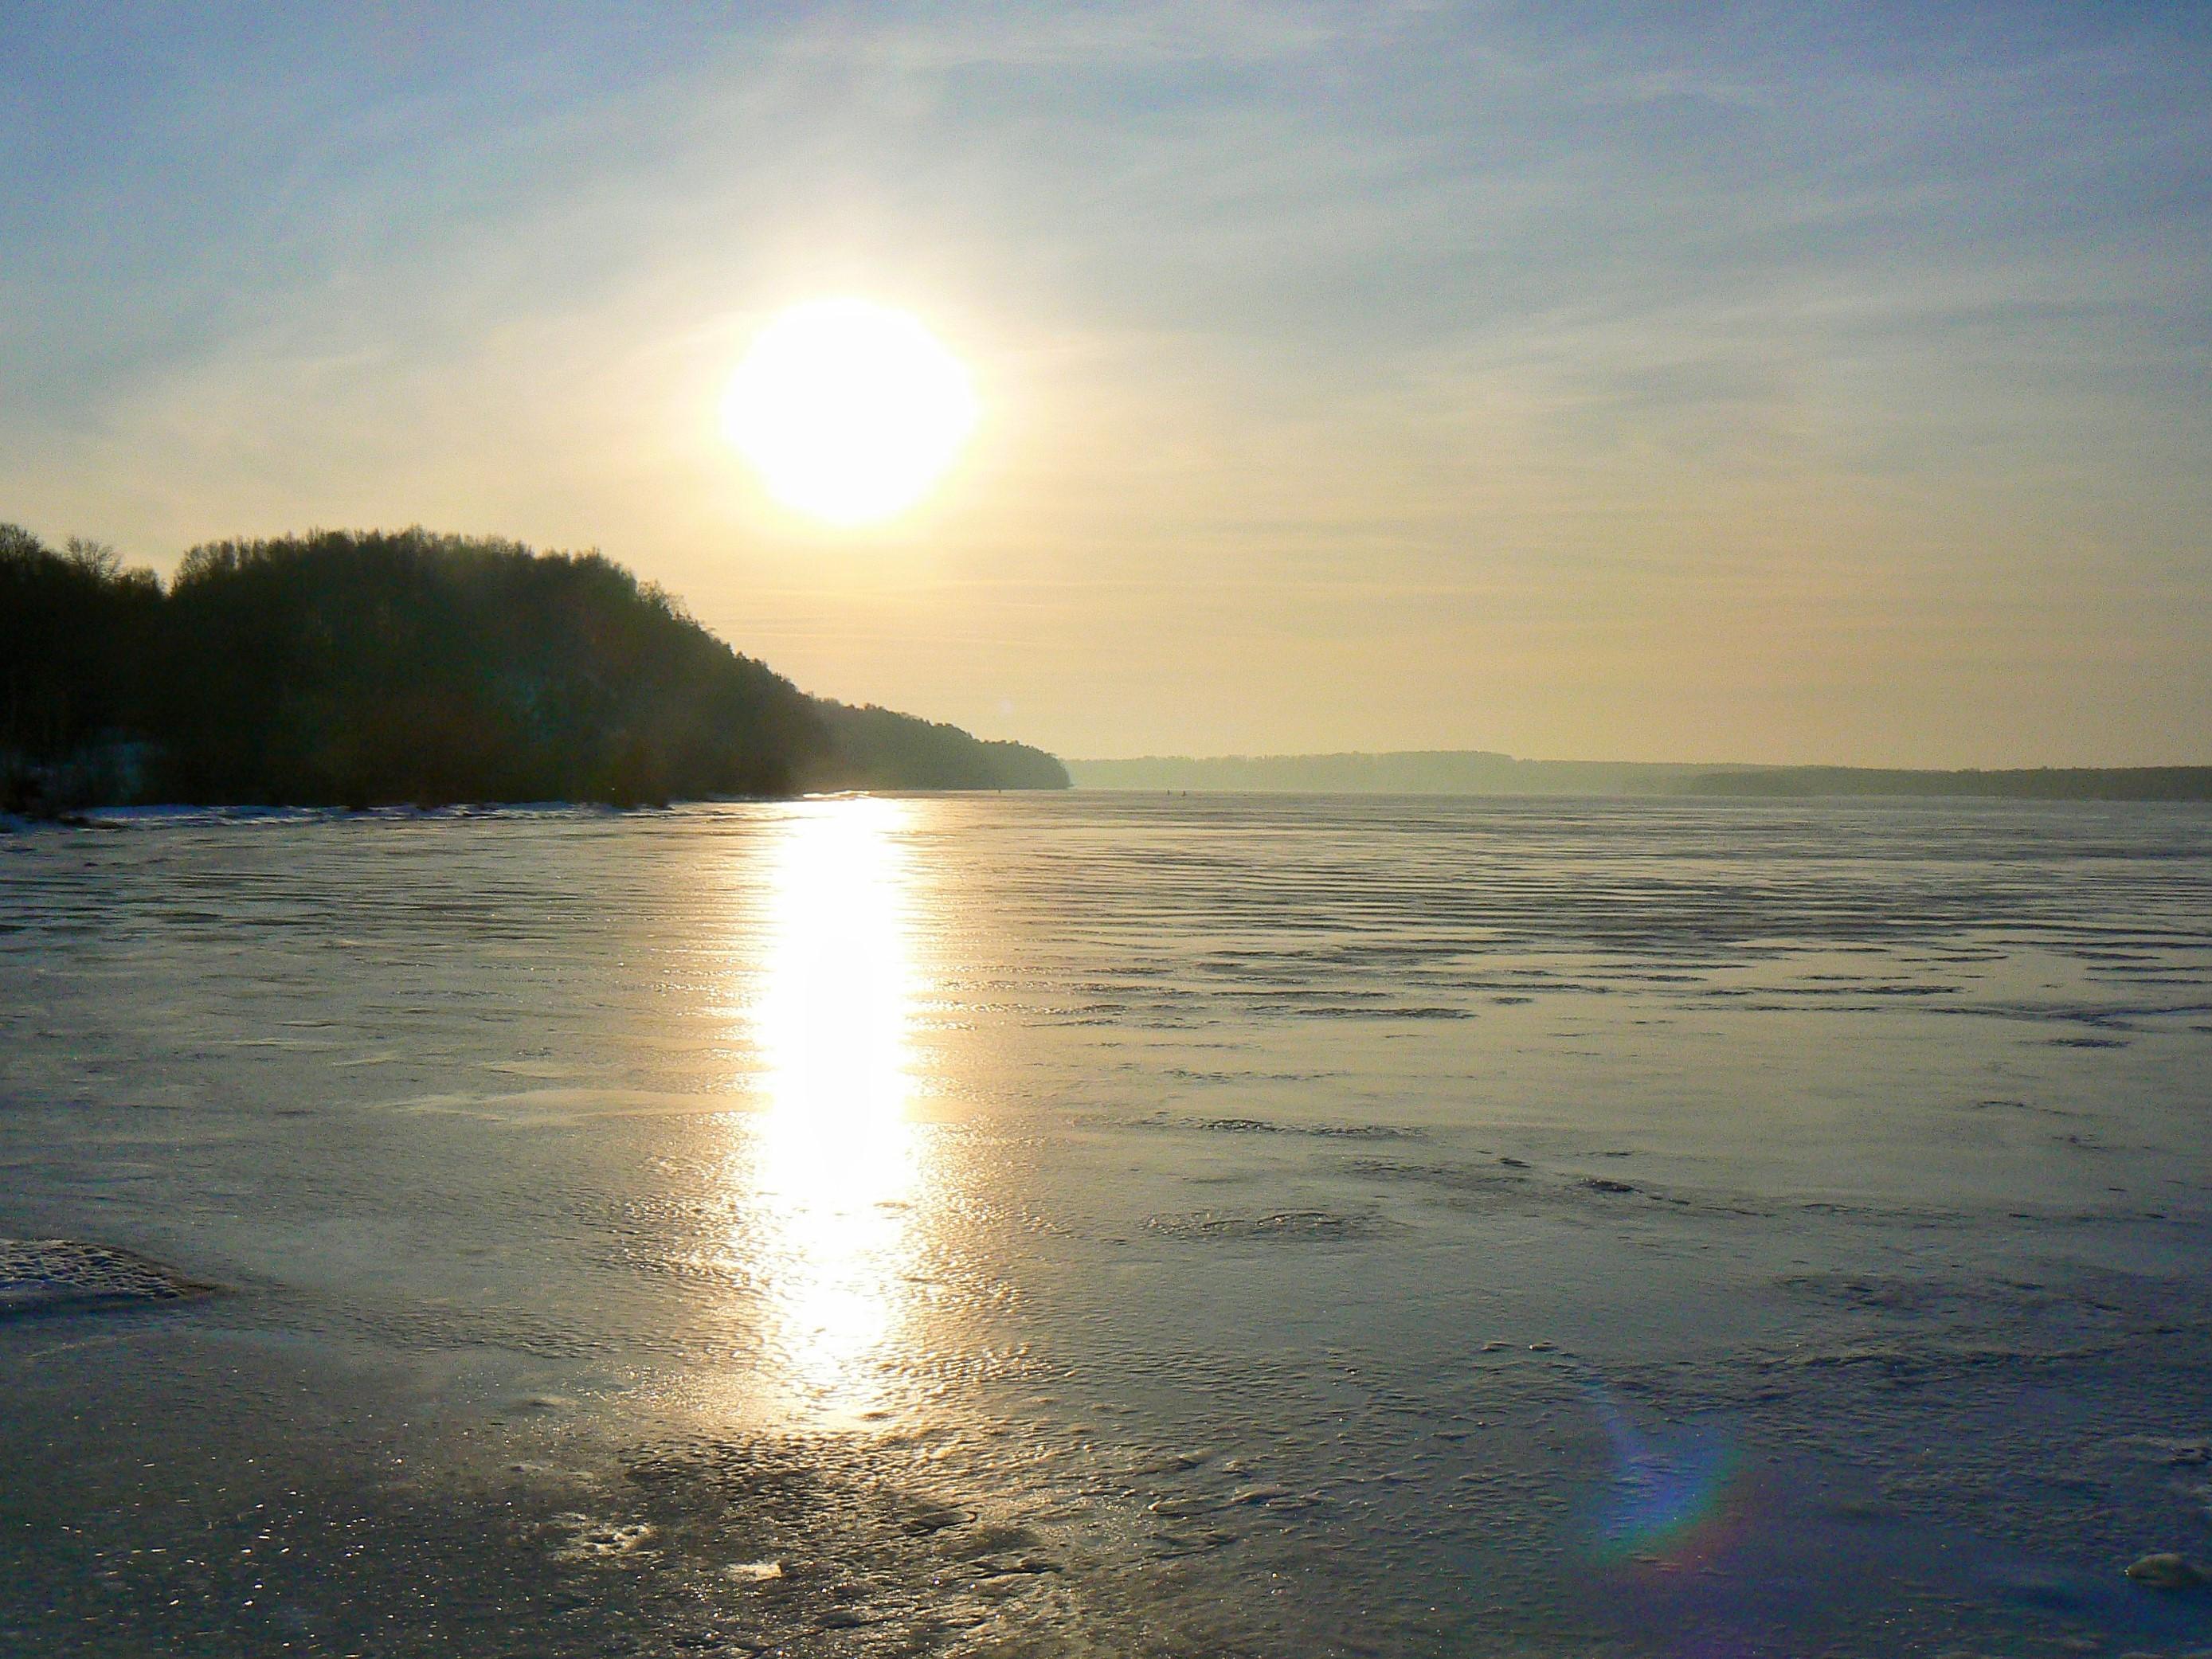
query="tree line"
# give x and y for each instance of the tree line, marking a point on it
(2021, 783)
(373, 668)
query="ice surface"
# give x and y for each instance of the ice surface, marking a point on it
(44, 1275)
(1097, 1224)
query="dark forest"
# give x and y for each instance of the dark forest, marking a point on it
(365, 669)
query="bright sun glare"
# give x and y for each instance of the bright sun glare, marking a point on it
(848, 410)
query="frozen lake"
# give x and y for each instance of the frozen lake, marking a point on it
(1115, 1225)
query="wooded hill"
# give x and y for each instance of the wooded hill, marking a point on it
(371, 668)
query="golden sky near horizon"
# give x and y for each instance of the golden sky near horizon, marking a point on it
(1344, 378)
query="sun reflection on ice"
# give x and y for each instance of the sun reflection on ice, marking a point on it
(838, 1156)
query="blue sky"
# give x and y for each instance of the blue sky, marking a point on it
(1734, 382)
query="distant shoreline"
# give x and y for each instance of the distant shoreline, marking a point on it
(1481, 771)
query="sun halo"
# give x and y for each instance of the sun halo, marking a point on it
(849, 410)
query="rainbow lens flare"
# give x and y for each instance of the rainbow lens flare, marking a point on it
(1670, 1504)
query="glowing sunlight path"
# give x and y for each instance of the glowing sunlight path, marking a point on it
(838, 1158)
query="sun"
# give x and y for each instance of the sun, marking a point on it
(849, 410)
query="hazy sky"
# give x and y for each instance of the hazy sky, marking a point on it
(1742, 382)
